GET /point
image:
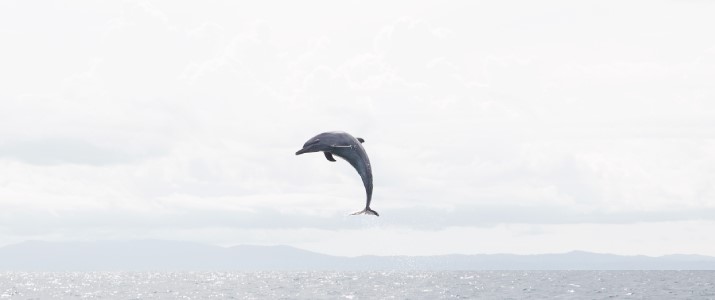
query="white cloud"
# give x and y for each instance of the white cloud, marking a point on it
(142, 119)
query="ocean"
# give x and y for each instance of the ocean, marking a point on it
(360, 285)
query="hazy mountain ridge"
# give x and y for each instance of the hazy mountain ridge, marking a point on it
(155, 255)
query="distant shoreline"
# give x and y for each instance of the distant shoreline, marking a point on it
(158, 255)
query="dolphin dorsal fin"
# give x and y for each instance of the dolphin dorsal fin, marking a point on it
(329, 156)
(361, 140)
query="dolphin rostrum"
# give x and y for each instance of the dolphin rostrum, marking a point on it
(348, 148)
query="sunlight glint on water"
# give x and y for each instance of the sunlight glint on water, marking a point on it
(360, 285)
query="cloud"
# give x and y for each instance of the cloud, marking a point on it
(141, 118)
(65, 151)
(656, 238)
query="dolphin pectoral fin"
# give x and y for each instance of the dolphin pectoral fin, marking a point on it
(329, 156)
(366, 211)
(361, 140)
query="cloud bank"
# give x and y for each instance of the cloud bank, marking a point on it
(146, 119)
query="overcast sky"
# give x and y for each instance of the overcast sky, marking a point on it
(492, 126)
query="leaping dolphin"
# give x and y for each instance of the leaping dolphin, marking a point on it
(348, 148)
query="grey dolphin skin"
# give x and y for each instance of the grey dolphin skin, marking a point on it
(349, 148)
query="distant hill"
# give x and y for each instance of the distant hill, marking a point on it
(154, 255)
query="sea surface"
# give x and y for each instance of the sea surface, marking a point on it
(360, 285)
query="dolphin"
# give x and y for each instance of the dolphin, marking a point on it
(349, 148)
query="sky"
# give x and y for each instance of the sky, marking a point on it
(492, 126)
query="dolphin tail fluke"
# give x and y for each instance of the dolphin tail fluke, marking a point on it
(366, 211)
